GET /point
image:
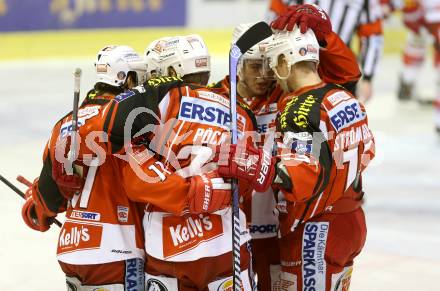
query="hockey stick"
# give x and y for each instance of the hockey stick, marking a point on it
(73, 148)
(20, 193)
(251, 37)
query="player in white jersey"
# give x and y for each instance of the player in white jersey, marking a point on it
(422, 18)
(348, 17)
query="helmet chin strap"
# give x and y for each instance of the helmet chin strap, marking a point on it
(283, 80)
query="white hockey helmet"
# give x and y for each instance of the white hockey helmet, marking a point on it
(186, 55)
(257, 52)
(295, 46)
(114, 62)
(152, 57)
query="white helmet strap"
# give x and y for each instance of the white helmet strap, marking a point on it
(282, 77)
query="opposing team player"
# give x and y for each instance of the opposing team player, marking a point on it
(348, 17)
(325, 145)
(193, 252)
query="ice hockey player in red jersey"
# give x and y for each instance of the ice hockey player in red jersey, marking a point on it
(193, 252)
(257, 88)
(101, 242)
(324, 147)
(348, 17)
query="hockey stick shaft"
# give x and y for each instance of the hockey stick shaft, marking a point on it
(10, 185)
(73, 146)
(234, 56)
(21, 194)
(251, 37)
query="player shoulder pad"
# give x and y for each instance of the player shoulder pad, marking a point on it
(168, 82)
(125, 95)
(303, 113)
(337, 96)
(343, 110)
(250, 113)
(91, 94)
(215, 85)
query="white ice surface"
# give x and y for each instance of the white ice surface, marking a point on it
(402, 186)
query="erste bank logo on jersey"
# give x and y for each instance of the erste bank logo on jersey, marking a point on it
(345, 114)
(83, 115)
(205, 112)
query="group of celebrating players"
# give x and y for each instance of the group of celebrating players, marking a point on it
(148, 197)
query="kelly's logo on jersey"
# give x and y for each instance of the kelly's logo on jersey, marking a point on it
(346, 114)
(181, 235)
(205, 112)
(79, 236)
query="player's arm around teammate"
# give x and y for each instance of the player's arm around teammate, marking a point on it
(322, 223)
(319, 169)
(101, 243)
(193, 121)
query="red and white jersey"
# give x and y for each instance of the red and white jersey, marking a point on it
(102, 224)
(337, 64)
(259, 207)
(326, 144)
(195, 120)
(431, 10)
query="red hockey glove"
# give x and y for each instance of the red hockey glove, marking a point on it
(256, 166)
(305, 16)
(208, 193)
(34, 215)
(413, 17)
(68, 184)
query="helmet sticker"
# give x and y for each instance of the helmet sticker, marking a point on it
(121, 75)
(101, 68)
(202, 62)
